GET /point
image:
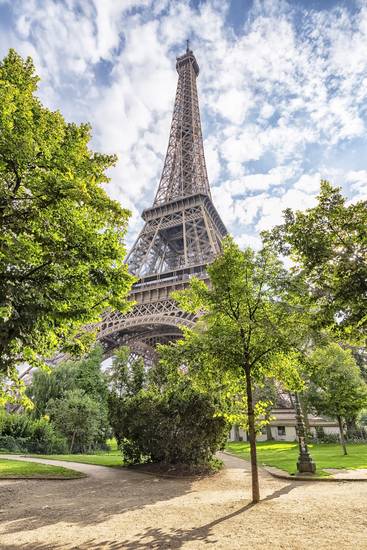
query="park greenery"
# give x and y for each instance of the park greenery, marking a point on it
(24, 469)
(261, 329)
(160, 416)
(74, 396)
(61, 240)
(284, 454)
(336, 387)
(328, 245)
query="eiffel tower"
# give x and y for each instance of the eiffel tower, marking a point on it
(182, 233)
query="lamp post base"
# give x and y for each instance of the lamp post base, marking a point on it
(305, 464)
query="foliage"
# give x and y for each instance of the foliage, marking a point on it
(84, 374)
(61, 243)
(329, 245)
(159, 416)
(173, 427)
(23, 469)
(79, 418)
(250, 321)
(21, 433)
(71, 388)
(336, 386)
(127, 375)
(284, 455)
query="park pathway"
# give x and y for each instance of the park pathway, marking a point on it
(119, 509)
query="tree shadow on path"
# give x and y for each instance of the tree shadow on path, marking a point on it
(30, 505)
(157, 538)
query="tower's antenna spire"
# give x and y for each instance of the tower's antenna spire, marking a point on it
(187, 46)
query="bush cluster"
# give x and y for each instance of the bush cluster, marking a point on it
(172, 424)
(21, 433)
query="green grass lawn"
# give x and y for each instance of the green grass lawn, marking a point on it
(284, 455)
(110, 458)
(18, 468)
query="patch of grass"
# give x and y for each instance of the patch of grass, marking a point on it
(112, 458)
(19, 468)
(284, 455)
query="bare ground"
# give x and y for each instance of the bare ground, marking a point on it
(119, 509)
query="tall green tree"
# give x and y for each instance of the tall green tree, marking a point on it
(50, 394)
(328, 244)
(336, 387)
(249, 317)
(79, 418)
(61, 238)
(84, 374)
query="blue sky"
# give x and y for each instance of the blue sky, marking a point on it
(282, 88)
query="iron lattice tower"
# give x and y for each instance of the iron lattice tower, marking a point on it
(181, 235)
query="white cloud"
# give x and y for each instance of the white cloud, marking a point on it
(273, 207)
(309, 183)
(357, 179)
(281, 98)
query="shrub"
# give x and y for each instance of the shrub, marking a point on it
(12, 444)
(20, 433)
(176, 426)
(45, 439)
(79, 418)
(326, 438)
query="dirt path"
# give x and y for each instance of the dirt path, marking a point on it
(121, 509)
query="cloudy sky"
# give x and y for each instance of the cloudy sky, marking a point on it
(282, 89)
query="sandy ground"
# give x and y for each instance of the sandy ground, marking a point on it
(119, 509)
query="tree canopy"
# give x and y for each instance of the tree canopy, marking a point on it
(250, 322)
(62, 238)
(328, 244)
(336, 387)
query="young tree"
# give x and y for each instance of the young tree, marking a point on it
(329, 246)
(61, 241)
(50, 393)
(126, 379)
(336, 386)
(78, 417)
(127, 374)
(249, 316)
(85, 375)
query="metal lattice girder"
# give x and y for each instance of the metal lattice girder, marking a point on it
(184, 172)
(164, 312)
(184, 232)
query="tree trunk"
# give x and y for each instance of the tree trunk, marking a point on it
(269, 435)
(72, 441)
(342, 440)
(252, 437)
(236, 431)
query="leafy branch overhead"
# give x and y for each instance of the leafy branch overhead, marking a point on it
(61, 243)
(328, 244)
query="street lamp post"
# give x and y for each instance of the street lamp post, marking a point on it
(305, 464)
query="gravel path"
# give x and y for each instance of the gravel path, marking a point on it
(120, 509)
